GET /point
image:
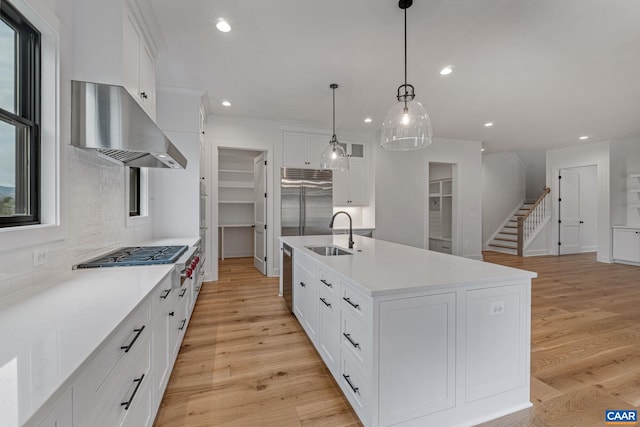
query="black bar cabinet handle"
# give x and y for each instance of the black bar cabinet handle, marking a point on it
(166, 294)
(350, 303)
(355, 389)
(353, 343)
(326, 283)
(126, 348)
(325, 302)
(184, 322)
(184, 291)
(138, 381)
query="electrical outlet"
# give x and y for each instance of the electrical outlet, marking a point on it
(496, 308)
(40, 256)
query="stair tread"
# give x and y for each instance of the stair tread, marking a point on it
(506, 239)
(508, 232)
(498, 245)
(510, 226)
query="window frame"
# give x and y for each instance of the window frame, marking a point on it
(135, 190)
(27, 113)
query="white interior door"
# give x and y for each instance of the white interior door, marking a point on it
(569, 212)
(260, 214)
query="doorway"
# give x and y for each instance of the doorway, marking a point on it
(242, 207)
(442, 208)
(577, 210)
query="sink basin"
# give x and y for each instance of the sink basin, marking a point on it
(328, 250)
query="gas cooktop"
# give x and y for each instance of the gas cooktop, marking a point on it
(137, 255)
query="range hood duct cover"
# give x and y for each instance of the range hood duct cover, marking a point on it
(107, 119)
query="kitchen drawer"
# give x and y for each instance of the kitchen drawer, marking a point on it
(355, 303)
(329, 282)
(355, 386)
(128, 384)
(132, 333)
(355, 340)
(162, 296)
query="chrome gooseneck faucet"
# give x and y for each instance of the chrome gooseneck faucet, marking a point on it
(350, 226)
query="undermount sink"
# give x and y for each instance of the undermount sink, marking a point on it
(328, 250)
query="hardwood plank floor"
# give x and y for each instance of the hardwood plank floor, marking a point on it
(245, 361)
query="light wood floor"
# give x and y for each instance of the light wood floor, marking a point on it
(245, 361)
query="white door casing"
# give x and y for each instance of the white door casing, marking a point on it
(260, 214)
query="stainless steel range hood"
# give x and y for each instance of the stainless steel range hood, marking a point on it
(108, 120)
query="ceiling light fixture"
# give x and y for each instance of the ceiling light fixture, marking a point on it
(488, 124)
(368, 120)
(226, 103)
(334, 157)
(584, 137)
(407, 125)
(446, 70)
(223, 25)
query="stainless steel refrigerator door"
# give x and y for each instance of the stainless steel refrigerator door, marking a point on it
(291, 202)
(317, 193)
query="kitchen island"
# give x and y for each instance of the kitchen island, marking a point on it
(415, 337)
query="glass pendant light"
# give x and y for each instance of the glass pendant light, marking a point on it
(334, 157)
(407, 125)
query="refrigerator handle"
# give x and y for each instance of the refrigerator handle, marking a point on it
(303, 210)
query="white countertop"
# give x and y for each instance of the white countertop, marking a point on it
(48, 331)
(381, 267)
(172, 241)
(627, 227)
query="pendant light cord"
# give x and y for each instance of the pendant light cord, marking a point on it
(334, 113)
(405, 51)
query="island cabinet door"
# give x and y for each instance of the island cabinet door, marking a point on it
(416, 357)
(329, 329)
(305, 304)
(497, 340)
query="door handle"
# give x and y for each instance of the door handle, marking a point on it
(581, 222)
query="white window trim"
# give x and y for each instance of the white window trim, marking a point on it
(51, 228)
(143, 218)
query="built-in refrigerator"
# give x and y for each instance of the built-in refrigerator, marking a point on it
(306, 201)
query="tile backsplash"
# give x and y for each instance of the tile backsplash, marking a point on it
(95, 214)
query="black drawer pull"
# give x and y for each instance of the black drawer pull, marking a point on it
(126, 348)
(166, 294)
(355, 389)
(138, 381)
(184, 322)
(326, 283)
(302, 284)
(184, 291)
(356, 306)
(328, 304)
(352, 342)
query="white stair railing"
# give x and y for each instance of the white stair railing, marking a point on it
(530, 221)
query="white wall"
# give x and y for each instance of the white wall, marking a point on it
(92, 190)
(597, 154)
(535, 164)
(402, 194)
(503, 190)
(253, 134)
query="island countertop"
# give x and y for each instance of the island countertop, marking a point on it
(380, 267)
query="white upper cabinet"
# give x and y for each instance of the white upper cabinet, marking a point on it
(301, 150)
(111, 46)
(350, 187)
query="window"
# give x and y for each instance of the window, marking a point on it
(134, 192)
(19, 119)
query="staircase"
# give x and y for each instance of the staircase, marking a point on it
(506, 240)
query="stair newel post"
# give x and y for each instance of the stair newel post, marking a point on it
(520, 234)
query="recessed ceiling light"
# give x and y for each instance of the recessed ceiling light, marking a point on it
(226, 103)
(482, 149)
(162, 156)
(584, 137)
(368, 120)
(488, 124)
(223, 25)
(446, 70)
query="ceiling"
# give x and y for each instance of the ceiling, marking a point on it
(544, 71)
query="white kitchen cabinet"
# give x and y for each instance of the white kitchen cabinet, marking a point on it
(329, 320)
(351, 187)
(305, 295)
(626, 245)
(112, 46)
(62, 414)
(301, 150)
